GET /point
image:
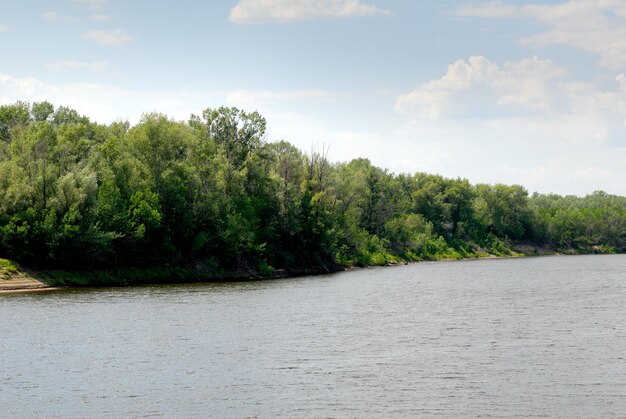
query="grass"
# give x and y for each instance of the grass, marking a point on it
(8, 269)
(119, 277)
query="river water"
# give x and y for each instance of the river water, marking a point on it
(532, 337)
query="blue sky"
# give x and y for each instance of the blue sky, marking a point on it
(502, 91)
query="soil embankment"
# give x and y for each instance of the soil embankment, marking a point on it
(21, 283)
(13, 279)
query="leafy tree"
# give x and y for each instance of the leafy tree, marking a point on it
(41, 111)
(504, 210)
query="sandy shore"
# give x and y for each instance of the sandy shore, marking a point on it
(22, 283)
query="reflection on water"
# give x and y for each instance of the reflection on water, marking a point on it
(518, 337)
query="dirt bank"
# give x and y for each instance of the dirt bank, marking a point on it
(22, 283)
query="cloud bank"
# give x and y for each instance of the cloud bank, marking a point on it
(479, 87)
(530, 88)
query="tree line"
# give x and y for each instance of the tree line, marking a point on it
(211, 194)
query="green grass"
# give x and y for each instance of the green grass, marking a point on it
(119, 277)
(8, 268)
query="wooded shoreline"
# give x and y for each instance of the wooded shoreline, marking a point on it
(87, 204)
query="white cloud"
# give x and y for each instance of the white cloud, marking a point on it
(113, 38)
(531, 90)
(595, 26)
(493, 9)
(93, 66)
(91, 4)
(598, 27)
(3, 28)
(259, 11)
(99, 17)
(529, 83)
(53, 16)
(481, 86)
(254, 98)
(520, 122)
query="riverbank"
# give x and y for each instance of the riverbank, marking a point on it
(14, 279)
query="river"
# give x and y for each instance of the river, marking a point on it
(529, 337)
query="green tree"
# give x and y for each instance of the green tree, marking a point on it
(41, 111)
(504, 210)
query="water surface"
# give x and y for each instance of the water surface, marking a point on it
(535, 337)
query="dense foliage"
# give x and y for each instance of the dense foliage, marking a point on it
(210, 193)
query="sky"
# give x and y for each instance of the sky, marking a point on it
(515, 92)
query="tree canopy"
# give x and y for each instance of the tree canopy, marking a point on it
(211, 191)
